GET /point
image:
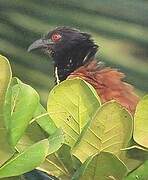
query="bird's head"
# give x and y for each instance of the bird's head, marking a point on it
(68, 47)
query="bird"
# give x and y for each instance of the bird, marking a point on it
(74, 56)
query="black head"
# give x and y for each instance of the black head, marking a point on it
(69, 48)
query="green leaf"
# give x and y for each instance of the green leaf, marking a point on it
(134, 157)
(141, 122)
(25, 161)
(33, 134)
(59, 164)
(40, 127)
(56, 140)
(21, 101)
(43, 119)
(8, 103)
(13, 178)
(64, 154)
(71, 104)
(5, 77)
(140, 173)
(102, 166)
(110, 130)
(53, 165)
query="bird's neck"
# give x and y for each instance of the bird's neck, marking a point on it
(67, 63)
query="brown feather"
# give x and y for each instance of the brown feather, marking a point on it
(108, 84)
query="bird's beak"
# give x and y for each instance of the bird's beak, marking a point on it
(40, 43)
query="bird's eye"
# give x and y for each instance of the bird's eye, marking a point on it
(56, 37)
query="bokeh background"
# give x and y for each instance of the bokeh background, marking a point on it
(120, 27)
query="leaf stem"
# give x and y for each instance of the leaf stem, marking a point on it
(38, 117)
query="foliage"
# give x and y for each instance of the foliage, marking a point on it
(78, 138)
(140, 128)
(120, 32)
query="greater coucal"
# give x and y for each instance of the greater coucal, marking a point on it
(73, 53)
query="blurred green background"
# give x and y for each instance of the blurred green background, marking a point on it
(120, 27)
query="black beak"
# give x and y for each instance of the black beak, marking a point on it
(40, 43)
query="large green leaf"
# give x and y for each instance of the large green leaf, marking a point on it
(5, 77)
(110, 130)
(71, 104)
(141, 122)
(21, 102)
(26, 160)
(140, 173)
(103, 166)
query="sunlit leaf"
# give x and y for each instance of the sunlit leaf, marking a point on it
(71, 104)
(141, 122)
(110, 130)
(102, 166)
(21, 102)
(26, 160)
(5, 77)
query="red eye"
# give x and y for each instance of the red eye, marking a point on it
(56, 37)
